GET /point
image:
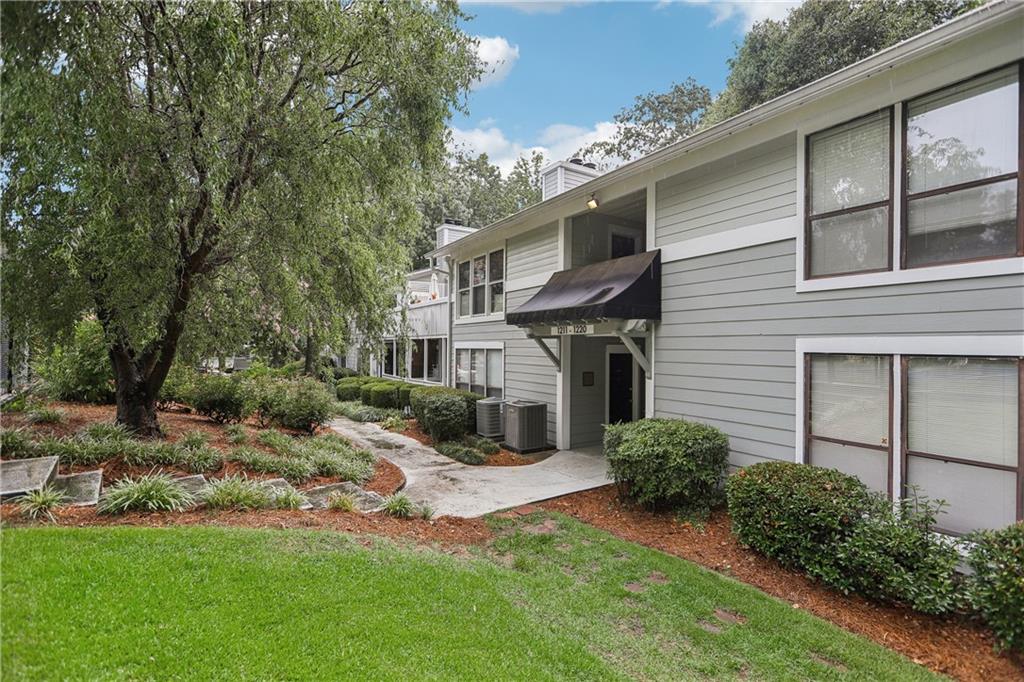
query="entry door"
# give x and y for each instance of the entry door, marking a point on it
(622, 245)
(620, 388)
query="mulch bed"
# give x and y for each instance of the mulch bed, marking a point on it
(954, 646)
(175, 423)
(444, 530)
(503, 458)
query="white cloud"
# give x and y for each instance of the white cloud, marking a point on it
(556, 142)
(498, 57)
(747, 12)
(529, 6)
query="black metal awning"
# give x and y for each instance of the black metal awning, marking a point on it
(627, 288)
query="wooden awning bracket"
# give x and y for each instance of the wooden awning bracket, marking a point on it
(547, 351)
(635, 351)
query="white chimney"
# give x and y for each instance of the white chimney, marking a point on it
(451, 230)
(562, 176)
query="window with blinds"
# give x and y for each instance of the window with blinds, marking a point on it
(481, 284)
(481, 371)
(849, 202)
(848, 416)
(961, 172)
(962, 438)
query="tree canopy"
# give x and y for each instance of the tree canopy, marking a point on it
(186, 172)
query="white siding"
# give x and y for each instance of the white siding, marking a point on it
(532, 253)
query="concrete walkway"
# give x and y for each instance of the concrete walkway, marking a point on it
(455, 489)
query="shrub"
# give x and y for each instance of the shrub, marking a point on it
(404, 392)
(289, 498)
(399, 506)
(348, 389)
(460, 453)
(444, 416)
(80, 369)
(16, 444)
(44, 415)
(41, 502)
(220, 398)
(292, 369)
(418, 400)
(383, 395)
(237, 435)
(793, 511)
(667, 462)
(893, 556)
(236, 492)
(305, 404)
(151, 492)
(263, 395)
(996, 589)
(343, 373)
(178, 386)
(364, 392)
(338, 501)
(484, 445)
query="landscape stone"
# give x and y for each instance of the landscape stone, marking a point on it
(192, 484)
(20, 476)
(276, 485)
(80, 490)
(366, 501)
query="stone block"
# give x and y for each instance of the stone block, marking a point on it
(19, 476)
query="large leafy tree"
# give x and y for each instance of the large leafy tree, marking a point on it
(653, 121)
(817, 38)
(184, 171)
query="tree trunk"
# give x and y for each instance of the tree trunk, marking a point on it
(310, 355)
(136, 401)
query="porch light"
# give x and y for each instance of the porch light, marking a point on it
(592, 202)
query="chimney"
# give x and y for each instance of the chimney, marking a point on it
(562, 176)
(450, 230)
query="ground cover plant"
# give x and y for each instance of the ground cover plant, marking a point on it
(148, 493)
(38, 504)
(548, 599)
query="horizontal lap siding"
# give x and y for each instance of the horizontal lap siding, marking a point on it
(747, 188)
(529, 374)
(533, 253)
(726, 344)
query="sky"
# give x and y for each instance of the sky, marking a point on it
(559, 71)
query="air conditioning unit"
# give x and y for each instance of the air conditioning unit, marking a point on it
(489, 423)
(526, 425)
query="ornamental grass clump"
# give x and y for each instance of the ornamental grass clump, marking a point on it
(460, 453)
(236, 492)
(150, 493)
(289, 498)
(294, 469)
(40, 503)
(16, 444)
(44, 415)
(343, 502)
(106, 431)
(663, 463)
(237, 435)
(399, 506)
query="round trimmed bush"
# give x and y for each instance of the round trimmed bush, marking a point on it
(418, 397)
(444, 416)
(383, 395)
(219, 397)
(667, 462)
(348, 388)
(404, 391)
(795, 512)
(303, 404)
(997, 586)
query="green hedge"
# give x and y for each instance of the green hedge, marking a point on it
(997, 588)
(383, 395)
(219, 397)
(444, 416)
(792, 511)
(418, 396)
(667, 462)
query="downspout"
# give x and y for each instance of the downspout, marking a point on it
(450, 351)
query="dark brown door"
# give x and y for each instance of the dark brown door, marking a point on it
(620, 388)
(623, 245)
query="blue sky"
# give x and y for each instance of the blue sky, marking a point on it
(559, 71)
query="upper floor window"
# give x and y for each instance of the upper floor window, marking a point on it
(849, 212)
(960, 172)
(957, 181)
(482, 284)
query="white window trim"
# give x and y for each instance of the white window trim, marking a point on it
(478, 345)
(1010, 265)
(488, 316)
(895, 346)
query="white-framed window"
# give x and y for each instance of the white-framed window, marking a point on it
(481, 285)
(481, 370)
(938, 420)
(390, 367)
(927, 189)
(420, 359)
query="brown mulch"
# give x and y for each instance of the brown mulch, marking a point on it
(445, 530)
(502, 458)
(175, 423)
(953, 646)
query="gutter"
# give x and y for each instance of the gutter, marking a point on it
(913, 48)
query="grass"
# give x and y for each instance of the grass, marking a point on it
(150, 492)
(236, 492)
(217, 603)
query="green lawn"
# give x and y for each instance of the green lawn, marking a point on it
(214, 603)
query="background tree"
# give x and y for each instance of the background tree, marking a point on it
(817, 38)
(166, 163)
(652, 122)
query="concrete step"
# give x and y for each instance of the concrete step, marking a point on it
(20, 476)
(80, 490)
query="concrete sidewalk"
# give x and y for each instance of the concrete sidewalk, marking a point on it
(455, 489)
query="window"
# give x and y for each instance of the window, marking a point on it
(482, 284)
(480, 370)
(417, 361)
(389, 358)
(960, 172)
(433, 360)
(848, 424)
(962, 438)
(849, 197)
